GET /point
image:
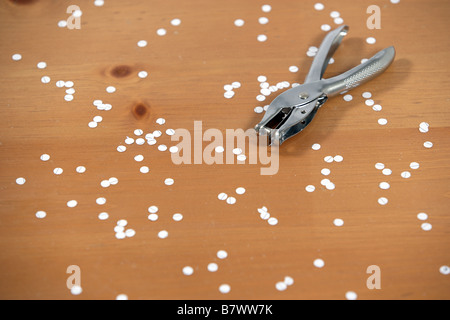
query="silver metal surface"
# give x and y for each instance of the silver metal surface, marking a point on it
(290, 112)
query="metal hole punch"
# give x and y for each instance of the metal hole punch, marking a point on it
(290, 112)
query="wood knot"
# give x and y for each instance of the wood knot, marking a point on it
(121, 71)
(140, 110)
(22, 1)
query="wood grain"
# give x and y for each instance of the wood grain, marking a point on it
(188, 68)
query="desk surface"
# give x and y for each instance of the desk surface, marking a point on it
(187, 70)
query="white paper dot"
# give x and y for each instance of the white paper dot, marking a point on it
(348, 97)
(272, 221)
(42, 65)
(338, 158)
(129, 233)
(405, 174)
(41, 214)
(376, 107)
(367, 95)
(224, 288)
(319, 6)
(229, 94)
(98, 119)
(121, 235)
(212, 267)
(100, 201)
(261, 37)
(338, 222)
(330, 186)
(334, 14)
(177, 217)
(383, 201)
(45, 79)
(288, 281)
(258, 109)
(62, 23)
(222, 254)
(20, 181)
(72, 203)
(369, 102)
(414, 165)
(169, 181)
(139, 158)
(92, 124)
(240, 190)
(379, 165)
(142, 74)
(422, 216)
(231, 200)
(161, 32)
(142, 43)
(310, 188)
(325, 171)
(222, 196)
(17, 57)
(152, 217)
(325, 27)
(60, 83)
(280, 286)
(68, 84)
(58, 171)
(262, 78)
(428, 144)
(121, 148)
(426, 226)
(382, 121)
(423, 127)
(175, 22)
(103, 215)
(76, 290)
(77, 13)
(239, 22)
(266, 8)
(315, 146)
(338, 20)
(371, 40)
(328, 159)
(113, 180)
(163, 234)
(387, 172)
(384, 185)
(319, 263)
(293, 69)
(110, 89)
(122, 223)
(445, 270)
(144, 169)
(99, 3)
(263, 20)
(350, 295)
(105, 183)
(162, 147)
(188, 270)
(81, 169)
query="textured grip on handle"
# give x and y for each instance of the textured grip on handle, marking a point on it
(360, 74)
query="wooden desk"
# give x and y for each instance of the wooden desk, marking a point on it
(187, 70)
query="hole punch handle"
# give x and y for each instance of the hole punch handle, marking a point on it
(359, 74)
(326, 50)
